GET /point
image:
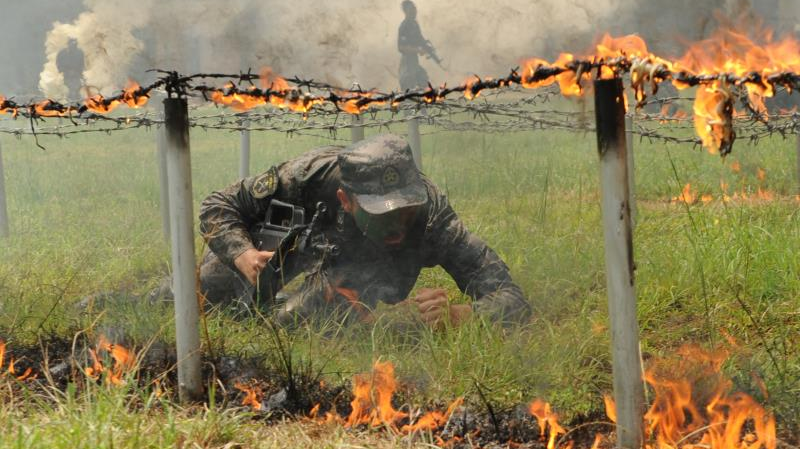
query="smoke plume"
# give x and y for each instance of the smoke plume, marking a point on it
(346, 41)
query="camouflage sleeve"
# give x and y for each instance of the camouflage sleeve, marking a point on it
(227, 215)
(476, 268)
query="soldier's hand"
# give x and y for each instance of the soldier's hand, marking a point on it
(251, 262)
(435, 308)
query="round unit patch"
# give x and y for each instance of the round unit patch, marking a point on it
(266, 183)
(390, 177)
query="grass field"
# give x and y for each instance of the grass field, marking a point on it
(85, 219)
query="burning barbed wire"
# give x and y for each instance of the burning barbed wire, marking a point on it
(726, 68)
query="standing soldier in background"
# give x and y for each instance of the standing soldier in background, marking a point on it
(411, 44)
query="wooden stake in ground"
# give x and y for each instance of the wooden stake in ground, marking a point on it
(161, 158)
(244, 155)
(357, 132)
(184, 281)
(627, 368)
(4, 228)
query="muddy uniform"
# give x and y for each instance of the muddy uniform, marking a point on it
(412, 75)
(363, 273)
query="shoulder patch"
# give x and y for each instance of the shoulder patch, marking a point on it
(265, 184)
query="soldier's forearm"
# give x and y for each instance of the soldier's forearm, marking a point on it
(230, 245)
(507, 305)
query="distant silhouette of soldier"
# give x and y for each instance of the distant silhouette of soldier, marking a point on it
(411, 43)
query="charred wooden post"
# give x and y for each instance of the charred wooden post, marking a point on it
(631, 171)
(244, 153)
(184, 281)
(627, 367)
(161, 157)
(357, 131)
(4, 228)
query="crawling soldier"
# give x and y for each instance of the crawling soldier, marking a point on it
(388, 222)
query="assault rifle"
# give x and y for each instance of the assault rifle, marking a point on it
(430, 53)
(294, 242)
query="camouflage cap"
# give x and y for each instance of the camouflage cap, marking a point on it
(381, 173)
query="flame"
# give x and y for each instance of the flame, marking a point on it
(133, 95)
(97, 103)
(686, 196)
(252, 395)
(469, 85)
(237, 101)
(11, 370)
(372, 401)
(529, 68)
(354, 104)
(433, 420)
(597, 439)
(42, 109)
(352, 298)
(684, 417)
(713, 121)
(270, 80)
(611, 407)
(124, 362)
(546, 419)
(736, 167)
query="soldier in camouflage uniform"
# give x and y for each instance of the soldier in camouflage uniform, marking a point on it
(411, 44)
(389, 222)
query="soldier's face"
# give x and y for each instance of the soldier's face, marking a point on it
(389, 229)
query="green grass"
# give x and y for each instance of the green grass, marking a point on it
(85, 219)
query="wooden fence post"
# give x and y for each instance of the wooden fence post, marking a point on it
(184, 280)
(627, 368)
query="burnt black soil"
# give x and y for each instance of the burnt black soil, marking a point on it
(475, 425)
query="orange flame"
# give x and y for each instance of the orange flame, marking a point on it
(252, 395)
(352, 298)
(713, 116)
(686, 196)
(270, 80)
(133, 96)
(11, 370)
(433, 420)
(41, 109)
(124, 362)
(547, 420)
(372, 402)
(683, 416)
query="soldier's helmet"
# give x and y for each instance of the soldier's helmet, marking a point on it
(380, 172)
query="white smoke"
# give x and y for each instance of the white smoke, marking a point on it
(338, 41)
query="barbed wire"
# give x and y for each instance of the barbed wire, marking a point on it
(321, 105)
